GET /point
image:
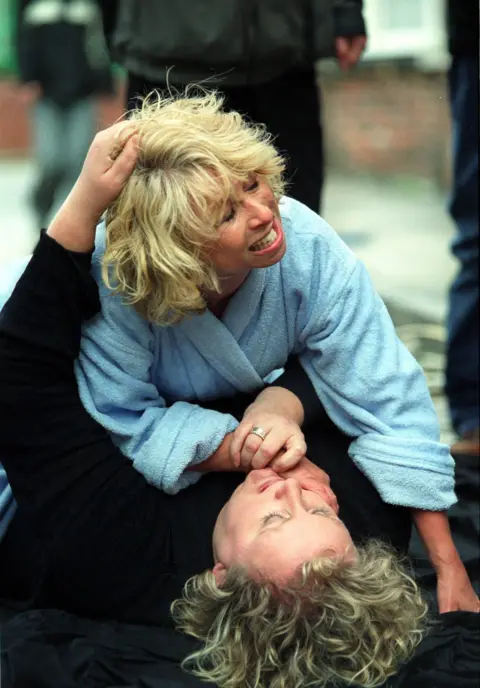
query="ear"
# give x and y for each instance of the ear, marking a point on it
(220, 573)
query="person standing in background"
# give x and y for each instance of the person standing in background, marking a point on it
(261, 55)
(63, 64)
(462, 370)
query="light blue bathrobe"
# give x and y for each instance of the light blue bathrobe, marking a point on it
(319, 303)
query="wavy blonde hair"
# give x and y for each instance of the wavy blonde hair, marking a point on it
(158, 229)
(337, 621)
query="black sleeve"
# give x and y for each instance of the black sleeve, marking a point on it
(102, 534)
(348, 17)
(46, 434)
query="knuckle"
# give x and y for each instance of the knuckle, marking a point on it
(259, 463)
(267, 453)
(252, 443)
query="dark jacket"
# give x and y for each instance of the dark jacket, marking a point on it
(61, 47)
(462, 27)
(228, 42)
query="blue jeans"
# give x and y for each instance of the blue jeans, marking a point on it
(61, 139)
(462, 374)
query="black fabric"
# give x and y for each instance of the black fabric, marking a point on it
(462, 27)
(110, 546)
(348, 18)
(50, 648)
(290, 108)
(45, 648)
(58, 56)
(228, 42)
(93, 518)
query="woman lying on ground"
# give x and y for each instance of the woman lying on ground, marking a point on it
(287, 583)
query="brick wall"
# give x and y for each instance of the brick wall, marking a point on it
(387, 120)
(14, 119)
(382, 120)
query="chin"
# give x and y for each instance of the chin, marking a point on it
(267, 261)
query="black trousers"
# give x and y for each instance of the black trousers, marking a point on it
(289, 106)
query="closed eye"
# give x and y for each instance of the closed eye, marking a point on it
(253, 185)
(318, 511)
(230, 214)
(271, 516)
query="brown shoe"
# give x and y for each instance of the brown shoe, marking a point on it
(468, 444)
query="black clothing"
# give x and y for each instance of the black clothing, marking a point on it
(289, 106)
(50, 649)
(46, 648)
(228, 42)
(106, 543)
(262, 54)
(63, 52)
(462, 27)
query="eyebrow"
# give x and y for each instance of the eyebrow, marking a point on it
(285, 519)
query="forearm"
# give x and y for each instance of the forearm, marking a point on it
(72, 227)
(219, 461)
(271, 400)
(278, 400)
(434, 531)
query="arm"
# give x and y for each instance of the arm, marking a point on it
(273, 399)
(370, 385)
(454, 589)
(115, 382)
(349, 21)
(350, 32)
(43, 421)
(114, 375)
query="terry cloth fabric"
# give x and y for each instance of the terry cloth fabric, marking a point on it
(139, 380)
(319, 303)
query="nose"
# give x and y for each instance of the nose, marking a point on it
(290, 490)
(260, 214)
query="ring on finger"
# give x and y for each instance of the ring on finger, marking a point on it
(258, 431)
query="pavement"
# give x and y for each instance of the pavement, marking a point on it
(399, 228)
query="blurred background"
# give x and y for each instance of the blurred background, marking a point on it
(387, 137)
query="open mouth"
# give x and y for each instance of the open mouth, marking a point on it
(266, 242)
(270, 242)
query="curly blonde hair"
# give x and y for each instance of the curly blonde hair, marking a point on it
(191, 155)
(338, 621)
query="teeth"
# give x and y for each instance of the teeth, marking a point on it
(265, 242)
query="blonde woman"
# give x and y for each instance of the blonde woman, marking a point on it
(288, 597)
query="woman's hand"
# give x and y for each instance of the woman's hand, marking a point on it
(279, 414)
(454, 590)
(283, 447)
(308, 474)
(109, 163)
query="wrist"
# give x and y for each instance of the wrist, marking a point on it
(279, 400)
(74, 225)
(219, 461)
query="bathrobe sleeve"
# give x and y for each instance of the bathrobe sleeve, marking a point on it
(369, 383)
(114, 378)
